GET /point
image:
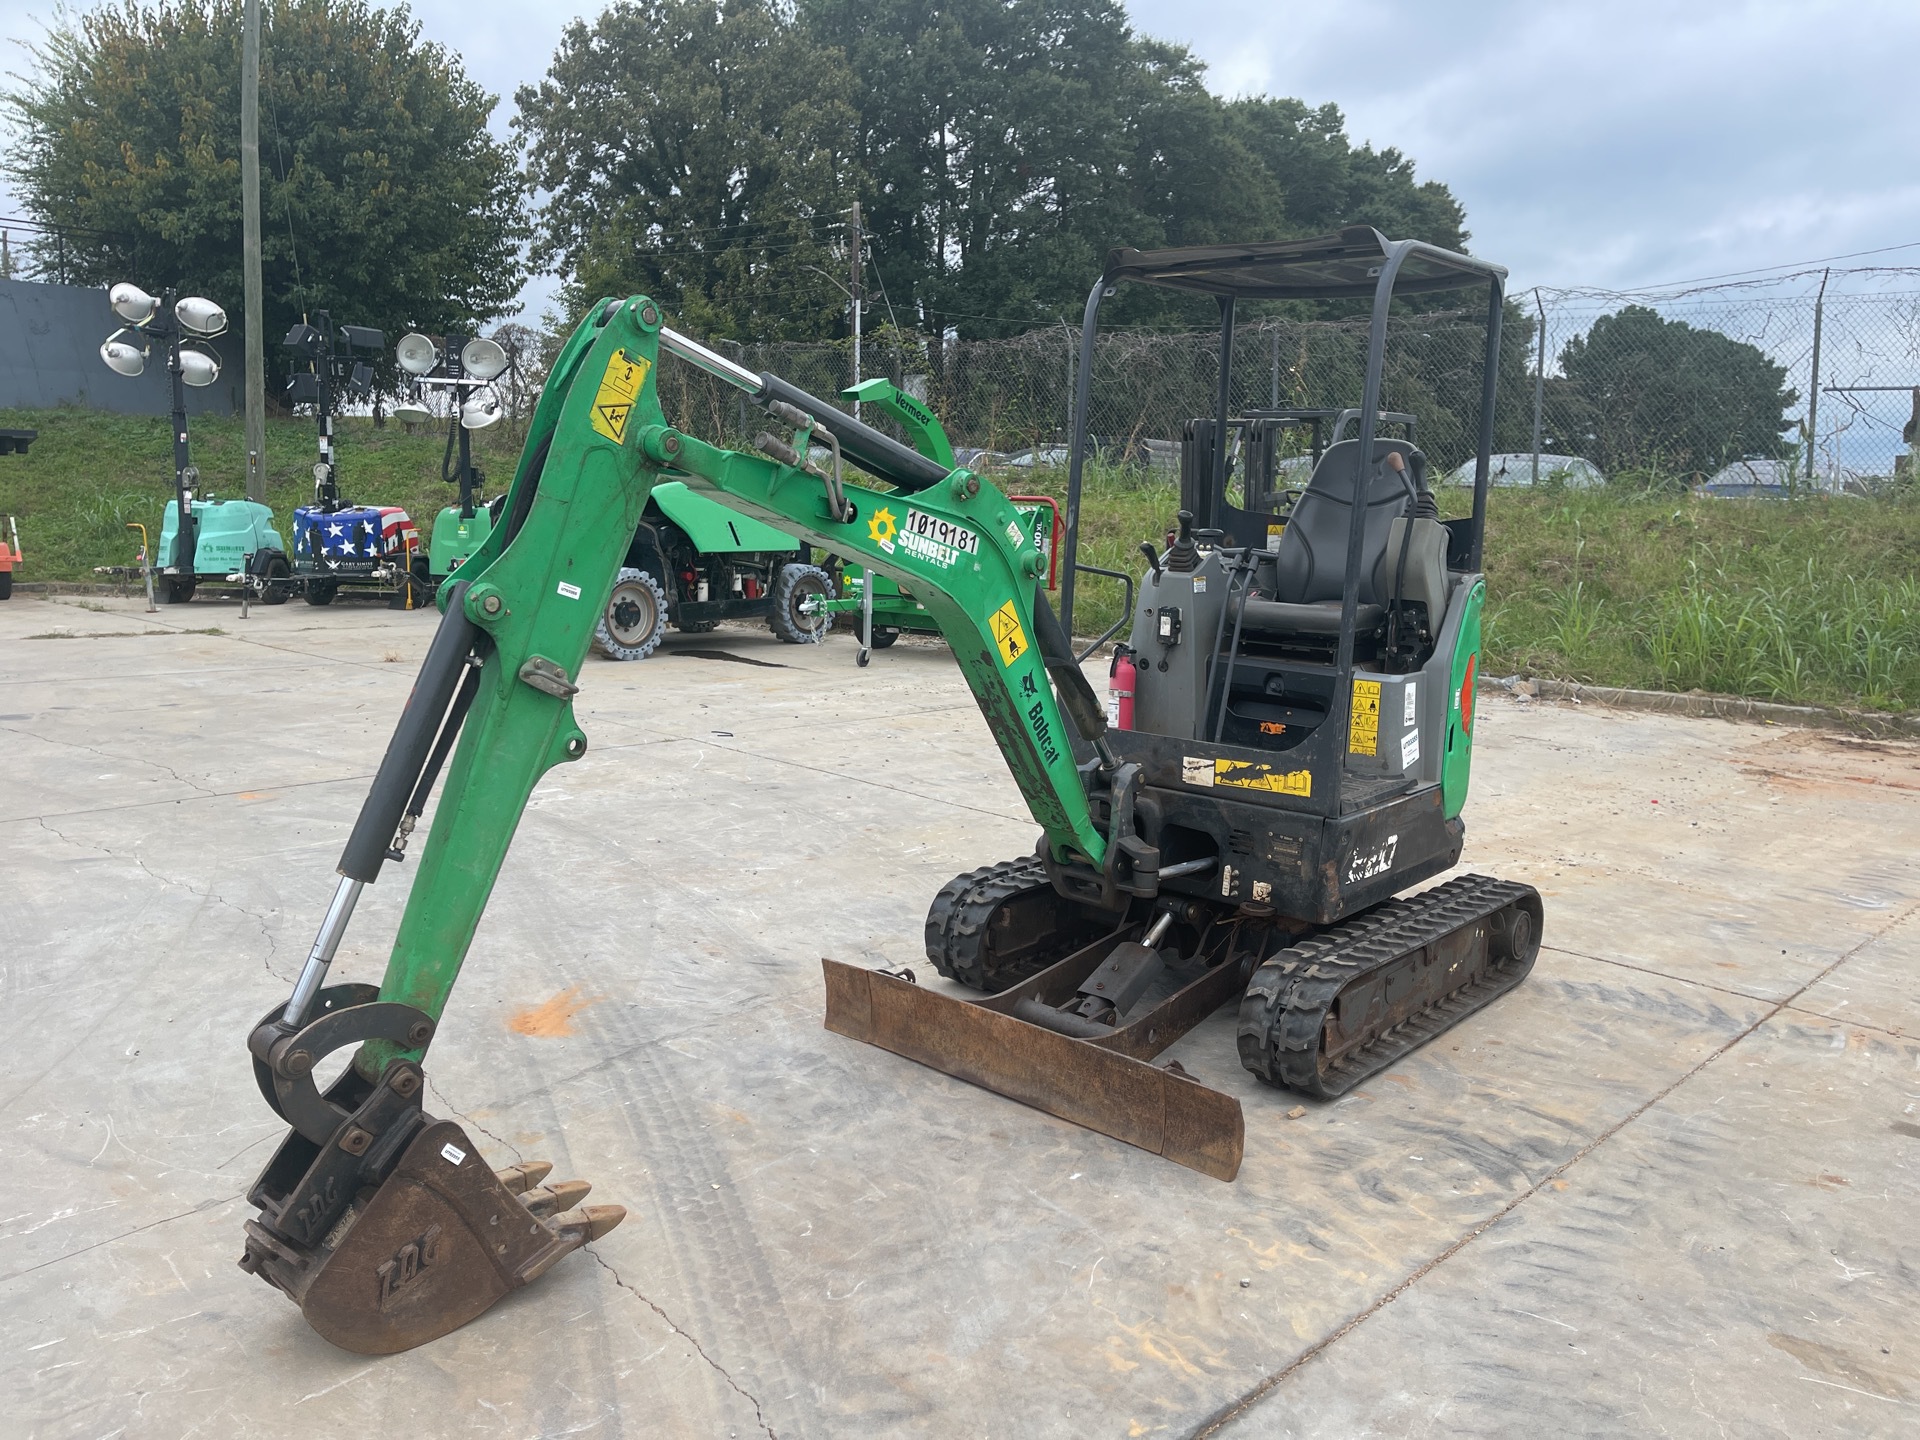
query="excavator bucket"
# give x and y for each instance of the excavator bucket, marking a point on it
(439, 1242)
(1107, 1083)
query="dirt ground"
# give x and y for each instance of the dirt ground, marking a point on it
(1668, 1186)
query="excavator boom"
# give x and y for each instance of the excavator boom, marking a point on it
(493, 705)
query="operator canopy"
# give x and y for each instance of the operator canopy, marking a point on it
(1343, 265)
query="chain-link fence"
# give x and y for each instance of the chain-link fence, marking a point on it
(1695, 381)
(1806, 381)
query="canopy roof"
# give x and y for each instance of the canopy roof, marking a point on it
(1343, 265)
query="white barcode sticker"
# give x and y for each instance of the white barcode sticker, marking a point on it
(570, 590)
(452, 1153)
(1409, 749)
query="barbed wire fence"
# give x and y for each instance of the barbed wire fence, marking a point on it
(1801, 382)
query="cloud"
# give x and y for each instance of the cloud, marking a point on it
(1610, 144)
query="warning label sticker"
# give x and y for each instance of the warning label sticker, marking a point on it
(1249, 776)
(1363, 735)
(613, 402)
(1008, 634)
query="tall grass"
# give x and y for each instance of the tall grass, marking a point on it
(89, 475)
(1813, 600)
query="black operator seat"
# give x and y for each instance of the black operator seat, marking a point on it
(1310, 568)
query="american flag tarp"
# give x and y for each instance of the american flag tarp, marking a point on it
(355, 534)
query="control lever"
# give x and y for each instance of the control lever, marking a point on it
(1153, 557)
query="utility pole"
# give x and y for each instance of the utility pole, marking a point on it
(250, 254)
(1539, 385)
(853, 289)
(1813, 396)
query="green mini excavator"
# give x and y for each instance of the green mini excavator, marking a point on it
(1295, 761)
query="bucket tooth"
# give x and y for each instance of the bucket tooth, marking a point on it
(523, 1177)
(589, 1222)
(570, 1232)
(545, 1200)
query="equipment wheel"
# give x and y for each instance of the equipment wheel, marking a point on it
(6, 585)
(695, 627)
(635, 618)
(796, 589)
(279, 577)
(175, 591)
(883, 637)
(321, 592)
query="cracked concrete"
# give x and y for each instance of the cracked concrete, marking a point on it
(758, 1414)
(1667, 1185)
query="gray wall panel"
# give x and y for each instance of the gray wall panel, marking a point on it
(50, 355)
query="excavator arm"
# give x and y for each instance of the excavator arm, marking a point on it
(379, 1220)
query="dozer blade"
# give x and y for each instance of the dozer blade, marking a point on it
(1161, 1110)
(439, 1242)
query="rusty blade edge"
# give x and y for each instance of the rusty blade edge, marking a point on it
(1114, 1094)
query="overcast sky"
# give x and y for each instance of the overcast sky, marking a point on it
(1618, 144)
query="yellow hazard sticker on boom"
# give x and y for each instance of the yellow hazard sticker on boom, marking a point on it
(1363, 736)
(1008, 635)
(619, 387)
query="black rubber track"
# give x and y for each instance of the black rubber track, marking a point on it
(1283, 1013)
(995, 926)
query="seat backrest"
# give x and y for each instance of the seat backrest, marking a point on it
(1312, 561)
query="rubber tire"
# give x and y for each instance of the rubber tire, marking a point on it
(883, 638)
(321, 592)
(171, 591)
(422, 592)
(279, 586)
(6, 585)
(791, 587)
(641, 588)
(695, 627)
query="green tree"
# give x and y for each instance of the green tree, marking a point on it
(700, 153)
(1640, 390)
(1328, 182)
(1008, 144)
(383, 197)
(704, 151)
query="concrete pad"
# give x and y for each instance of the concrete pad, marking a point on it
(1738, 1261)
(827, 1239)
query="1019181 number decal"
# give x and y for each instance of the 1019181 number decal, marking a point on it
(942, 542)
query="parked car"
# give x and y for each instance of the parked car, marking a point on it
(1741, 490)
(1516, 469)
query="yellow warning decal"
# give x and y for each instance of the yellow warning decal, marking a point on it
(1251, 776)
(1008, 635)
(614, 401)
(1363, 736)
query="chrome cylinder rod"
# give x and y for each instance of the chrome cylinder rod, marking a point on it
(314, 973)
(694, 353)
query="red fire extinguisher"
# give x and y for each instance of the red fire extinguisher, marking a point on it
(1121, 676)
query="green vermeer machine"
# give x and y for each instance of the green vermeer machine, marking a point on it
(1297, 761)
